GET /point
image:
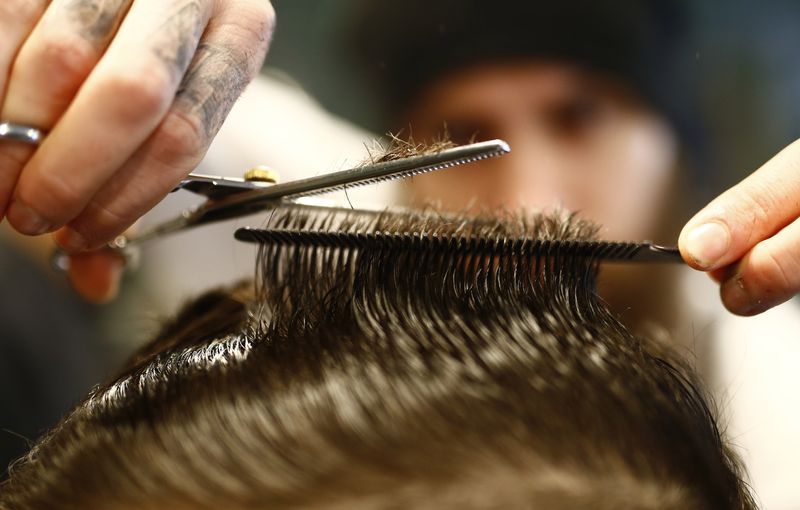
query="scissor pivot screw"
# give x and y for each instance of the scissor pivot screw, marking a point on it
(261, 174)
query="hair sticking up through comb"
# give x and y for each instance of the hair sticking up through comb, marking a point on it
(469, 257)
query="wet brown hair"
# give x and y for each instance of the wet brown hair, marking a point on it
(397, 377)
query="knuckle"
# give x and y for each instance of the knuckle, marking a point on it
(255, 22)
(259, 14)
(66, 59)
(181, 139)
(142, 94)
(13, 160)
(19, 9)
(53, 194)
(772, 273)
(100, 222)
(779, 269)
(266, 20)
(754, 210)
(768, 275)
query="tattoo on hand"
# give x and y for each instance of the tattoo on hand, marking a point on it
(176, 39)
(97, 19)
(212, 85)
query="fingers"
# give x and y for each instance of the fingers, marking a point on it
(117, 108)
(746, 214)
(229, 56)
(766, 276)
(17, 19)
(57, 57)
(51, 65)
(96, 275)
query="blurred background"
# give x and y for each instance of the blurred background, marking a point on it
(746, 70)
(314, 112)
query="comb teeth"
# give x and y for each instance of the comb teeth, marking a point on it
(453, 243)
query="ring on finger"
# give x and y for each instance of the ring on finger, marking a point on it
(21, 133)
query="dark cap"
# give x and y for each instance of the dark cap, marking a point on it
(407, 44)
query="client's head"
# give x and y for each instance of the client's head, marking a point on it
(452, 369)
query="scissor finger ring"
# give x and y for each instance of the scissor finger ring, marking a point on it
(21, 133)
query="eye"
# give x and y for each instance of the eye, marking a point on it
(575, 117)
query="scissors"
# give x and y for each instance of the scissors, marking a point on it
(232, 197)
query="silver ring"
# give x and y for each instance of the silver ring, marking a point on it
(21, 133)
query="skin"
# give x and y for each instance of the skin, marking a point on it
(145, 84)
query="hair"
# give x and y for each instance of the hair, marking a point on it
(467, 373)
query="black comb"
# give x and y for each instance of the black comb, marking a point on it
(608, 251)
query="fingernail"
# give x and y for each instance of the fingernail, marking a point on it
(72, 241)
(707, 244)
(115, 276)
(96, 275)
(26, 220)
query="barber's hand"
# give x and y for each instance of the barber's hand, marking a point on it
(131, 93)
(749, 237)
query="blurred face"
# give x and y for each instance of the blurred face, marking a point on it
(576, 141)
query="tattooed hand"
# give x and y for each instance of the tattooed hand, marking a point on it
(131, 93)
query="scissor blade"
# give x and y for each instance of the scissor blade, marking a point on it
(388, 170)
(249, 202)
(216, 187)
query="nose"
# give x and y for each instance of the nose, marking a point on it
(530, 176)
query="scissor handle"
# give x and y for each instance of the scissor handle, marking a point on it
(59, 259)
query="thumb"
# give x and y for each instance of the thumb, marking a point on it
(746, 214)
